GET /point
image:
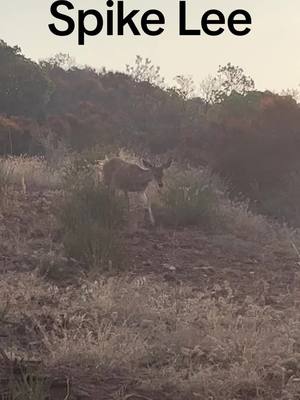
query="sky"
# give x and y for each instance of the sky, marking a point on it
(270, 54)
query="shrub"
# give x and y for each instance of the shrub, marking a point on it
(189, 198)
(27, 387)
(34, 172)
(91, 218)
(5, 179)
(255, 145)
(282, 202)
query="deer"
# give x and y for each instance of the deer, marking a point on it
(131, 178)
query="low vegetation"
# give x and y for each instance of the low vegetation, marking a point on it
(203, 306)
(156, 338)
(69, 332)
(197, 198)
(91, 219)
(5, 180)
(190, 197)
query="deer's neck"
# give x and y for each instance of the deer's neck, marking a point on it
(138, 181)
(145, 177)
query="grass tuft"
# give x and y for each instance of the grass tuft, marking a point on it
(190, 198)
(91, 219)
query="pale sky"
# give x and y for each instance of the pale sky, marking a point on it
(270, 54)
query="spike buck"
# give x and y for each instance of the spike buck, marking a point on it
(131, 178)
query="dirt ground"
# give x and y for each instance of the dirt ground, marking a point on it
(263, 270)
(191, 256)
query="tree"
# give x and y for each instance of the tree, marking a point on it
(185, 86)
(294, 93)
(17, 136)
(229, 79)
(144, 71)
(207, 91)
(24, 87)
(257, 142)
(60, 60)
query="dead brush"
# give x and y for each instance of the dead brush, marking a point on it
(31, 172)
(91, 219)
(6, 172)
(196, 344)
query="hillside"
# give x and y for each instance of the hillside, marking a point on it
(248, 137)
(97, 303)
(195, 311)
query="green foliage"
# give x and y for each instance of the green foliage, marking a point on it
(280, 202)
(87, 108)
(256, 145)
(91, 219)
(27, 387)
(249, 137)
(77, 172)
(190, 198)
(24, 88)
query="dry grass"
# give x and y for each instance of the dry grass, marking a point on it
(199, 198)
(90, 218)
(166, 339)
(33, 172)
(199, 345)
(5, 180)
(190, 196)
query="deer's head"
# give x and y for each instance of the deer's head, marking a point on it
(158, 172)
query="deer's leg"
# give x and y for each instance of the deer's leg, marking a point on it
(132, 216)
(148, 205)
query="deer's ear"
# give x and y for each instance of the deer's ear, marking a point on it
(167, 164)
(147, 164)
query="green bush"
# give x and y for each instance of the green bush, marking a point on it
(91, 218)
(189, 198)
(27, 387)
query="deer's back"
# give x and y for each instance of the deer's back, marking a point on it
(125, 176)
(110, 168)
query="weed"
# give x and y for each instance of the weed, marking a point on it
(190, 198)
(27, 387)
(5, 179)
(32, 172)
(91, 218)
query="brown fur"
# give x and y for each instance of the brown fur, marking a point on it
(119, 174)
(128, 177)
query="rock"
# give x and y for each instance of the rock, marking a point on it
(147, 263)
(169, 267)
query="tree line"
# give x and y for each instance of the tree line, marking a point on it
(249, 137)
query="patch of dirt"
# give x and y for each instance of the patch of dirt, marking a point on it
(190, 256)
(29, 237)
